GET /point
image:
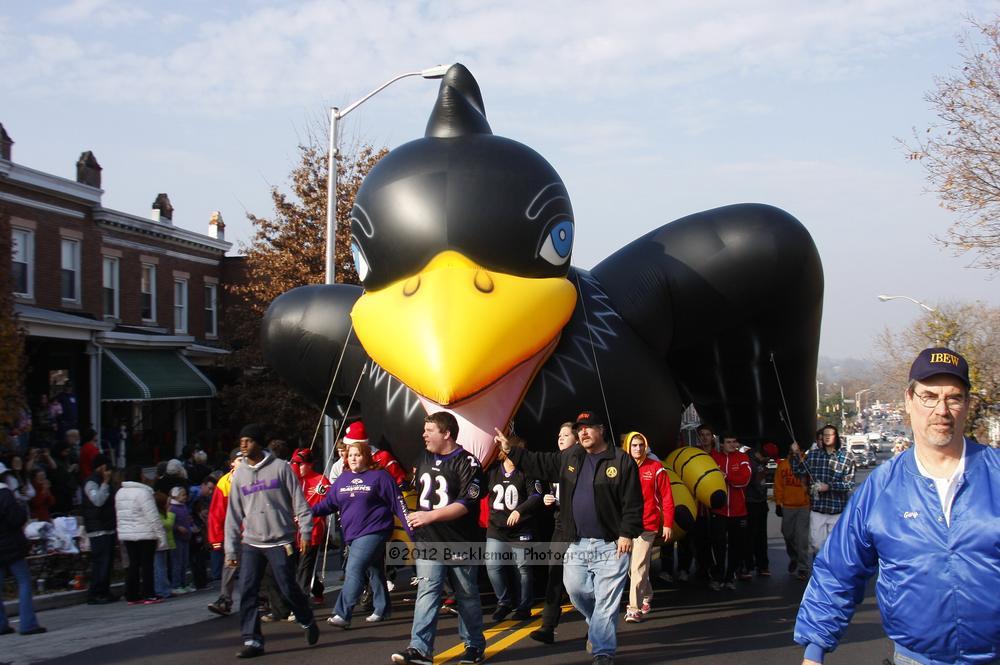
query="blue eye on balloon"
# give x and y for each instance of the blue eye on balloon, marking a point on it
(558, 243)
(360, 262)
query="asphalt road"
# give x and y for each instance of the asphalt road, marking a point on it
(689, 625)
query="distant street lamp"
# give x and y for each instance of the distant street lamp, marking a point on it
(331, 199)
(937, 342)
(857, 400)
(913, 300)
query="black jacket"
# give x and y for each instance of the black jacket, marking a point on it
(617, 493)
(102, 517)
(13, 516)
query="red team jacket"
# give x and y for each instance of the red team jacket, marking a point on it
(736, 468)
(657, 499)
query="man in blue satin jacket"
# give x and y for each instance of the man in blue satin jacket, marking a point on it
(928, 522)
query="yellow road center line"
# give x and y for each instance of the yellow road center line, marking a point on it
(499, 645)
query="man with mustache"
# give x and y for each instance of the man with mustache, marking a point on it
(928, 522)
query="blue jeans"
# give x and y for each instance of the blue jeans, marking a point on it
(427, 608)
(252, 562)
(499, 554)
(179, 558)
(25, 606)
(161, 573)
(595, 578)
(365, 564)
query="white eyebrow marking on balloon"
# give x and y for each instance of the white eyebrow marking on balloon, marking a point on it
(535, 207)
(364, 221)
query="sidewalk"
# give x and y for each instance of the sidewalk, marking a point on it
(79, 627)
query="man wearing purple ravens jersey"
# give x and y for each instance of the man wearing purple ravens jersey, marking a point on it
(513, 500)
(449, 481)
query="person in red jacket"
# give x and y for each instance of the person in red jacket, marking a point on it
(728, 525)
(657, 519)
(217, 534)
(315, 486)
(88, 451)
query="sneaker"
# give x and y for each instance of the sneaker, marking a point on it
(291, 618)
(763, 572)
(390, 585)
(502, 612)
(543, 635)
(471, 656)
(666, 578)
(746, 576)
(521, 615)
(250, 651)
(411, 656)
(37, 630)
(268, 618)
(730, 585)
(135, 602)
(154, 600)
(714, 586)
(603, 660)
(312, 634)
(682, 576)
(646, 608)
(222, 606)
(339, 622)
(374, 618)
(632, 615)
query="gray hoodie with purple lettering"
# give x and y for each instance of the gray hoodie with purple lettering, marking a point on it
(265, 501)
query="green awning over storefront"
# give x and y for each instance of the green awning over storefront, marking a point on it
(139, 375)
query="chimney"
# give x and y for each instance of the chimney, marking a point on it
(216, 227)
(162, 210)
(88, 171)
(5, 143)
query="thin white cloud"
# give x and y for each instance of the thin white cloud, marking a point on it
(286, 54)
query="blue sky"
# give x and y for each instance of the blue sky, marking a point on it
(649, 112)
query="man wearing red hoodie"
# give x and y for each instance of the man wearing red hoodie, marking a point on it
(657, 519)
(217, 510)
(728, 525)
(315, 485)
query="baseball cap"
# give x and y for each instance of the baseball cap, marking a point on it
(589, 418)
(939, 360)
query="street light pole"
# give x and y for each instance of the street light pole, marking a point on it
(884, 298)
(857, 401)
(333, 151)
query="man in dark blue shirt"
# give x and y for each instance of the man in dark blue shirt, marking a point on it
(602, 513)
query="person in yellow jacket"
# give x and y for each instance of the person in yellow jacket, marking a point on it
(791, 501)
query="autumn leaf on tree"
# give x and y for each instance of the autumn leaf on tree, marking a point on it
(288, 250)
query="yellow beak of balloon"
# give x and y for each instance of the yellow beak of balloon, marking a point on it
(455, 327)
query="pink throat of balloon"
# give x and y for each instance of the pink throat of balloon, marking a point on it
(491, 407)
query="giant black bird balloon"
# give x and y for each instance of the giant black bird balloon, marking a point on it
(462, 240)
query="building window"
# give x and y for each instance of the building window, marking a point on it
(110, 284)
(148, 292)
(180, 305)
(23, 255)
(70, 276)
(211, 310)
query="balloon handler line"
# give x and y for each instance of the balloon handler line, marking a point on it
(784, 416)
(593, 352)
(329, 392)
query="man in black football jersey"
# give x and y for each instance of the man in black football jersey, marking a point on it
(449, 480)
(513, 500)
(601, 514)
